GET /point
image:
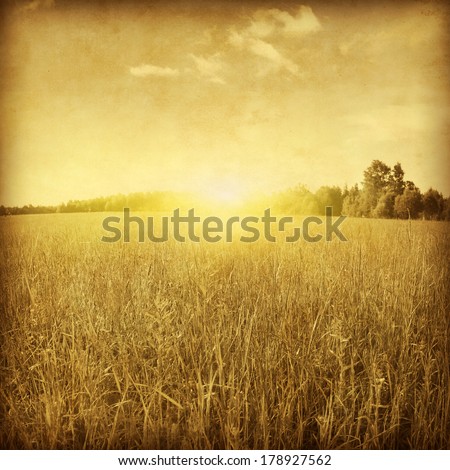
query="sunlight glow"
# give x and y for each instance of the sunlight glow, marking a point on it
(224, 193)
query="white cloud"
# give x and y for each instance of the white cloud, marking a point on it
(210, 68)
(267, 51)
(275, 61)
(305, 21)
(274, 21)
(236, 39)
(145, 70)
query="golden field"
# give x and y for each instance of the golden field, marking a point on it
(339, 345)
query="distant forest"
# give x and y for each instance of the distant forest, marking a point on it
(384, 193)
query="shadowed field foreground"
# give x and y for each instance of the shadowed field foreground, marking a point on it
(237, 346)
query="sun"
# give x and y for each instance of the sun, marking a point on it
(224, 193)
(227, 196)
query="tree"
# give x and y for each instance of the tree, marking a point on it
(329, 196)
(433, 204)
(298, 200)
(396, 183)
(351, 204)
(446, 209)
(381, 188)
(308, 204)
(409, 204)
(377, 179)
(385, 205)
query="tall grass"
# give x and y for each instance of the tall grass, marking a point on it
(237, 346)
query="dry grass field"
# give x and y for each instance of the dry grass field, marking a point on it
(341, 345)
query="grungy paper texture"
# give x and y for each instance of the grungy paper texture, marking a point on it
(107, 97)
(314, 136)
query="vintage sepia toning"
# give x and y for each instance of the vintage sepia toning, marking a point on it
(224, 224)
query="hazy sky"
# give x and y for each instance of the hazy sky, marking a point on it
(219, 97)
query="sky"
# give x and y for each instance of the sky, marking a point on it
(224, 98)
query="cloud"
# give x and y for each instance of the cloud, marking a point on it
(274, 21)
(210, 68)
(274, 59)
(304, 22)
(237, 39)
(145, 70)
(267, 51)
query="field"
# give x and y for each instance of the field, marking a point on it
(340, 345)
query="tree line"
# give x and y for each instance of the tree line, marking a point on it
(384, 193)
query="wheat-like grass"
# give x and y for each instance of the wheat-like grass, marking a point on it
(238, 346)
